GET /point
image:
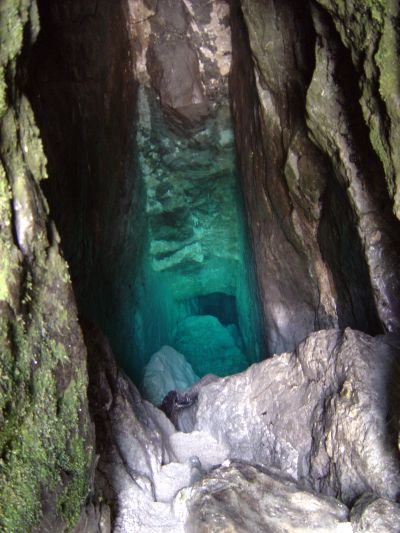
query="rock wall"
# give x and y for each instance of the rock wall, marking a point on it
(82, 88)
(315, 99)
(196, 249)
(317, 162)
(46, 438)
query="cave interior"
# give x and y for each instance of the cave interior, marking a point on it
(147, 192)
(223, 181)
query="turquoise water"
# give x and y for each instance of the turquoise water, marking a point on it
(185, 275)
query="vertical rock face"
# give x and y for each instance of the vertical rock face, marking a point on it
(316, 152)
(371, 42)
(46, 442)
(297, 289)
(82, 88)
(342, 133)
(317, 162)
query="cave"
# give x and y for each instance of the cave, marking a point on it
(174, 214)
(220, 305)
(200, 252)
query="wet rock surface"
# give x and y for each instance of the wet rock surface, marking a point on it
(369, 38)
(375, 515)
(188, 58)
(316, 161)
(166, 371)
(188, 216)
(341, 133)
(242, 498)
(314, 92)
(209, 347)
(316, 145)
(285, 445)
(46, 437)
(319, 414)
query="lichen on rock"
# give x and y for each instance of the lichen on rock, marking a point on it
(46, 447)
(369, 30)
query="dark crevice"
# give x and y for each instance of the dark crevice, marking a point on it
(363, 153)
(342, 250)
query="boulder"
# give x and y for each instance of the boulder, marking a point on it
(241, 498)
(209, 346)
(167, 370)
(286, 445)
(375, 515)
(326, 414)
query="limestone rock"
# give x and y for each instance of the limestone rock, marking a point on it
(369, 36)
(137, 472)
(319, 414)
(188, 57)
(242, 498)
(167, 370)
(300, 429)
(338, 131)
(209, 346)
(318, 163)
(46, 436)
(176, 76)
(375, 515)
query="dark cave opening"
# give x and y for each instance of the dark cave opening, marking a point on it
(220, 305)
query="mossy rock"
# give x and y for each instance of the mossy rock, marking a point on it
(46, 439)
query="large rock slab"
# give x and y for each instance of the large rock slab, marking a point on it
(319, 414)
(261, 446)
(241, 498)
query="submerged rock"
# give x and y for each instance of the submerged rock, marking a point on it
(167, 370)
(209, 346)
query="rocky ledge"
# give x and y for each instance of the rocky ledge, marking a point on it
(302, 441)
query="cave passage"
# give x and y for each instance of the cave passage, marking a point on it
(152, 216)
(193, 283)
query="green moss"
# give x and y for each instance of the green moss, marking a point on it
(3, 92)
(44, 431)
(76, 457)
(31, 142)
(387, 57)
(369, 29)
(11, 30)
(379, 145)
(42, 437)
(44, 422)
